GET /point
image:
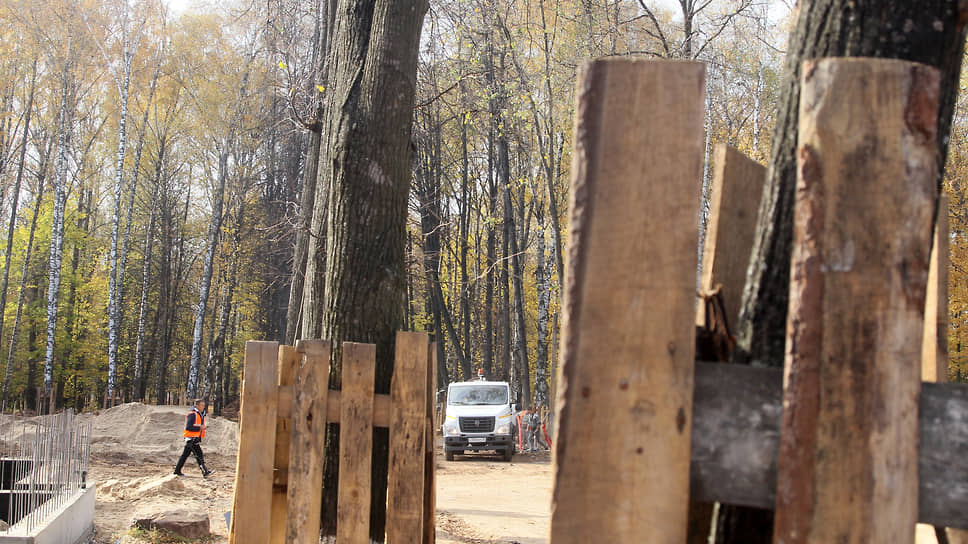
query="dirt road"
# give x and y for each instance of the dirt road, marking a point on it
(481, 500)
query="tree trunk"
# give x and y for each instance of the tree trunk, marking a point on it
(214, 233)
(23, 292)
(926, 31)
(114, 313)
(65, 117)
(21, 166)
(368, 163)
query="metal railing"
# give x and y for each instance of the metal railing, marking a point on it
(43, 465)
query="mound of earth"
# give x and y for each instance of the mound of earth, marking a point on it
(139, 431)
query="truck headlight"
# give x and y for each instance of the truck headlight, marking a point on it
(503, 429)
(450, 427)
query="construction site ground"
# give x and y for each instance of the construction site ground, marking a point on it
(480, 499)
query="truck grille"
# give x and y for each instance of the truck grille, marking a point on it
(477, 424)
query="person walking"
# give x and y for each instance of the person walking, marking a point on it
(194, 433)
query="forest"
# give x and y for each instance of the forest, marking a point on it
(158, 175)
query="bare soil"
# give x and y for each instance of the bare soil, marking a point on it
(480, 499)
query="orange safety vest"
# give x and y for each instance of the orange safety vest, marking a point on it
(199, 421)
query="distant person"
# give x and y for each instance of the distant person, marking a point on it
(194, 433)
(535, 426)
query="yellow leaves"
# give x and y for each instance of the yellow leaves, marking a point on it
(283, 65)
(320, 88)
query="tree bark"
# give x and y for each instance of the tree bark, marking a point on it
(368, 164)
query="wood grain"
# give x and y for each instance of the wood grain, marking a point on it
(430, 469)
(865, 203)
(356, 444)
(304, 493)
(289, 360)
(736, 191)
(934, 350)
(629, 312)
(257, 420)
(408, 422)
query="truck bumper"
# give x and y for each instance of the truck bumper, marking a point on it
(490, 443)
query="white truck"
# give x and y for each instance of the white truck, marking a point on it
(479, 417)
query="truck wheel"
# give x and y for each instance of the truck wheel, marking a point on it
(449, 455)
(508, 453)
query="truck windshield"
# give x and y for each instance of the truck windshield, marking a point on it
(476, 395)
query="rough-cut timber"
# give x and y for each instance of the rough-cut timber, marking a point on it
(253, 472)
(629, 312)
(304, 492)
(356, 443)
(429, 490)
(934, 350)
(289, 360)
(736, 430)
(408, 397)
(737, 186)
(865, 204)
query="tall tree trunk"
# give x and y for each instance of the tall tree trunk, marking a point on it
(214, 232)
(13, 214)
(28, 251)
(114, 318)
(140, 371)
(65, 117)
(542, 274)
(216, 353)
(306, 237)
(368, 162)
(926, 31)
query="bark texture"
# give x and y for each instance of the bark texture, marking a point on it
(926, 31)
(367, 162)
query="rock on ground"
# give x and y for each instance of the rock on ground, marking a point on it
(184, 523)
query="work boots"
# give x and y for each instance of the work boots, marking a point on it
(206, 471)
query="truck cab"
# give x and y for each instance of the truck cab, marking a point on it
(479, 417)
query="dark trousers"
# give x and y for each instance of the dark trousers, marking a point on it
(192, 446)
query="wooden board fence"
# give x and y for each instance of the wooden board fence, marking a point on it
(285, 395)
(867, 145)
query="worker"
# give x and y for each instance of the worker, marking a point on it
(535, 426)
(194, 433)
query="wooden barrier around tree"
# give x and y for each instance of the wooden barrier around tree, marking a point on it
(285, 395)
(620, 416)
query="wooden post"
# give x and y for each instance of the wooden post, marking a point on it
(737, 187)
(865, 203)
(430, 479)
(257, 420)
(408, 423)
(355, 443)
(628, 335)
(934, 351)
(305, 487)
(289, 360)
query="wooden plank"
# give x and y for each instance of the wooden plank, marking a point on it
(257, 420)
(289, 360)
(430, 469)
(736, 437)
(305, 491)
(934, 350)
(355, 444)
(408, 423)
(629, 313)
(866, 194)
(737, 187)
(381, 406)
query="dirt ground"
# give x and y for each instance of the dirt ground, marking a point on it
(480, 499)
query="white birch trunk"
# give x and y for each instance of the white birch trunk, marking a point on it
(214, 229)
(543, 276)
(57, 230)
